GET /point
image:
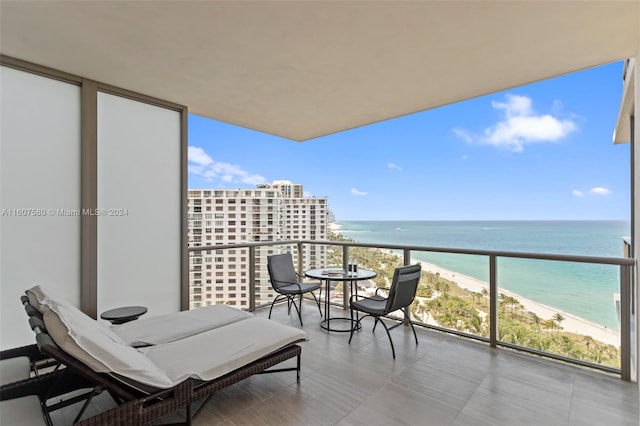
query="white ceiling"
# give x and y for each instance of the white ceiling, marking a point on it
(305, 69)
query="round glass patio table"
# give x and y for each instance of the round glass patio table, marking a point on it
(336, 274)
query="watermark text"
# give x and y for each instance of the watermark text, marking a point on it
(36, 212)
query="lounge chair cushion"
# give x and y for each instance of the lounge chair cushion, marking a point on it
(176, 326)
(23, 411)
(223, 349)
(239, 339)
(98, 347)
(37, 298)
(14, 369)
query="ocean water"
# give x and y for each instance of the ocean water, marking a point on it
(583, 290)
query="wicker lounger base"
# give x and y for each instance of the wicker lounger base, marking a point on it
(144, 410)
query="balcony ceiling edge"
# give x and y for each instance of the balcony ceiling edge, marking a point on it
(301, 70)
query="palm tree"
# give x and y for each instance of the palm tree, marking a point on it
(550, 324)
(558, 318)
(512, 302)
(537, 320)
(588, 340)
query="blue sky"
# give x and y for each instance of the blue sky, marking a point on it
(538, 152)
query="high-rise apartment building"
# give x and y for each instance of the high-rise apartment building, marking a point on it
(287, 189)
(270, 212)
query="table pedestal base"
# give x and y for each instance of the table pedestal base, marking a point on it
(326, 324)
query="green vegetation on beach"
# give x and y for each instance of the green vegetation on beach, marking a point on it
(443, 303)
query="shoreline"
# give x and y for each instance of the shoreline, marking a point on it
(571, 323)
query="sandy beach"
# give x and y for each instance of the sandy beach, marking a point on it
(571, 323)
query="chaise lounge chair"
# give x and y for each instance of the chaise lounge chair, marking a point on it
(152, 381)
(153, 330)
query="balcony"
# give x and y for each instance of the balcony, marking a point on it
(444, 380)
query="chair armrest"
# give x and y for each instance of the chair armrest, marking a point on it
(303, 276)
(382, 288)
(281, 283)
(358, 296)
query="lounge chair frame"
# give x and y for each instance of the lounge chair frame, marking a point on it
(134, 405)
(138, 408)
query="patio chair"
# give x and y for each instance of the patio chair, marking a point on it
(401, 295)
(285, 281)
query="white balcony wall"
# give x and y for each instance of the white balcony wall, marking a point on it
(39, 170)
(139, 189)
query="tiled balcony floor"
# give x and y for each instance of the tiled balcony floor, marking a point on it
(445, 380)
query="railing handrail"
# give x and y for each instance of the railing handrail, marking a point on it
(620, 261)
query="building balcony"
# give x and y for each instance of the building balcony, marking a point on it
(450, 377)
(444, 380)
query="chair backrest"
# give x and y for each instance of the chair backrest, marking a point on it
(403, 287)
(281, 270)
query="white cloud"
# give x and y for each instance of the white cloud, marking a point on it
(356, 192)
(201, 164)
(393, 166)
(198, 156)
(520, 126)
(463, 134)
(599, 191)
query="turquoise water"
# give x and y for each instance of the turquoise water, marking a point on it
(584, 290)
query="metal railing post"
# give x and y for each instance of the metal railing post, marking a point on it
(493, 301)
(406, 260)
(300, 259)
(345, 295)
(252, 279)
(625, 322)
(406, 257)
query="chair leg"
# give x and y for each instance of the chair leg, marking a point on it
(375, 324)
(353, 326)
(318, 301)
(412, 329)
(272, 303)
(393, 351)
(295, 305)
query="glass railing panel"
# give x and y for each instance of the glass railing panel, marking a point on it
(563, 308)
(453, 292)
(264, 292)
(219, 276)
(380, 261)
